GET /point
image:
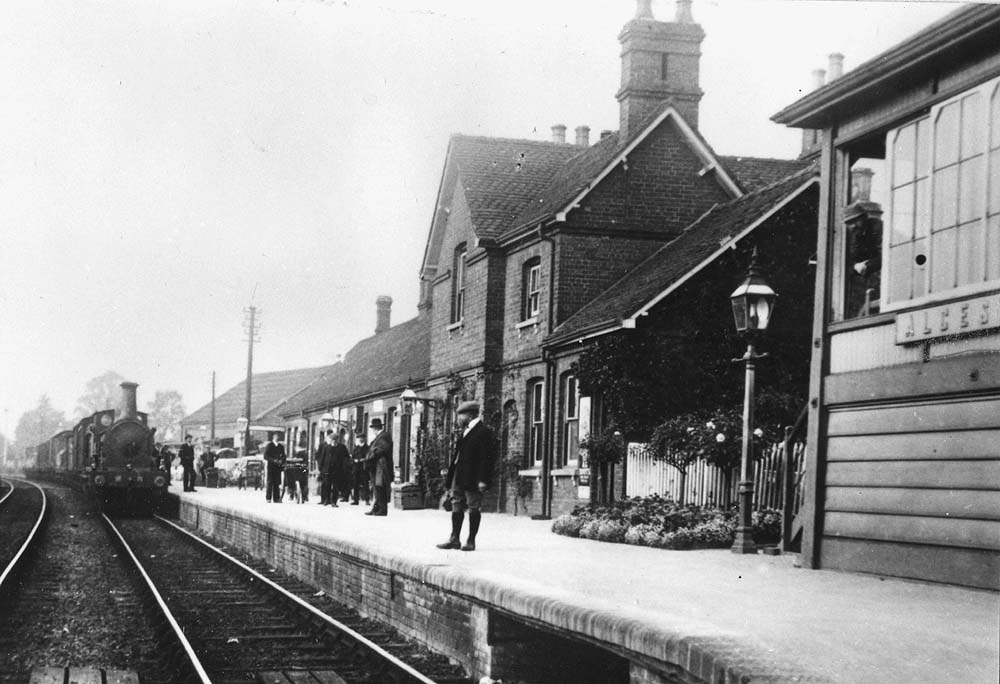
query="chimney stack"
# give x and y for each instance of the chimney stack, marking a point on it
(129, 408)
(559, 133)
(383, 308)
(583, 136)
(836, 69)
(660, 61)
(606, 133)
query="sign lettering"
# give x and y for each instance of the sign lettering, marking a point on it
(946, 320)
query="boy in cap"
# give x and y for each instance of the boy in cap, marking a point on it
(469, 475)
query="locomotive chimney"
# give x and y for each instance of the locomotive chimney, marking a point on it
(129, 408)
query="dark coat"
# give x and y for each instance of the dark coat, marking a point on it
(380, 459)
(340, 461)
(472, 462)
(274, 454)
(324, 459)
(186, 455)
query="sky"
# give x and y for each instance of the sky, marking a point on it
(166, 165)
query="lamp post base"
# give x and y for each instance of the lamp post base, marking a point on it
(744, 543)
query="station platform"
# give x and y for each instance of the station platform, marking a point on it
(706, 616)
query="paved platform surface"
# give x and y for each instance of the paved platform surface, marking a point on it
(847, 627)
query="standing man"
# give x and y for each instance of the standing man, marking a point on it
(359, 470)
(274, 454)
(186, 456)
(340, 466)
(380, 459)
(469, 475)
(323, 467)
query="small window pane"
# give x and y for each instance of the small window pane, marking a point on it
(945, 198)
(994, 181)
(973, 126)
(902, 214)
(904, 156)
(943, 260)
(922, 220)
(946, 136)
(971, 250)
(993, 248)
(918, 264)
(900, 266)
(970, 187)
(923, 147)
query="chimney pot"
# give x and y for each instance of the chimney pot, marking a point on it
(819, 78)
(682, 13)
(644, 9)
(559, 133)
(836, 69)
(583, 136)
(383, 308)
(606, 133)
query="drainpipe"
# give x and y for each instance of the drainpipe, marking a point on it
(550, 373)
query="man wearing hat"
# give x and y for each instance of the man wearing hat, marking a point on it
(187, 463)
(359, 472)
(469, 475)
(380, 459)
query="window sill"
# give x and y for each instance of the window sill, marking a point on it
(530, 472)
(527, 323)
(457, 325)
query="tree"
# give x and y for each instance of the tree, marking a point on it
(165, 414)
(101, 393)
(39, 424)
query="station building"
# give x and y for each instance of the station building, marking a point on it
(904, 468)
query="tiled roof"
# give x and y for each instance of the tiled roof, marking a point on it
(676, 259)
(271, 391)
(502, 175)
(754, 173)
(383, 362)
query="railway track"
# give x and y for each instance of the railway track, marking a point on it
(22, 512)
(237, 621)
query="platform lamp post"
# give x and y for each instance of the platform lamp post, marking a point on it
(753, 304)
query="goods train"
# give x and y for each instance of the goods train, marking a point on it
(111, 453)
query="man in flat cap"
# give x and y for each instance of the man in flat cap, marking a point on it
(380, 458)
(469, 475)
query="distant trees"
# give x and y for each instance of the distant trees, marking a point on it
(39, 424)
(165, 414)
(101, 393)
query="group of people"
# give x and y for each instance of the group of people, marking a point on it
(361, 475)
(366, 473)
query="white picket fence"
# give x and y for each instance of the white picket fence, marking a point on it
(709, 485)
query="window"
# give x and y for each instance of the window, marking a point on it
(943, 226)
(531, 276)
(458, 285)
(534, 415)
(569, 444)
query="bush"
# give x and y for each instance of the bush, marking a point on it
(659, 522)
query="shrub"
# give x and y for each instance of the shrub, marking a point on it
(589, 529)
(767, 526)
(567, 525)
(611, 531)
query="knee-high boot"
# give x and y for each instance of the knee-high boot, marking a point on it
(474, 518)
(457, 517)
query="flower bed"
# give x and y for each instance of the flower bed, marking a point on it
(662, 523)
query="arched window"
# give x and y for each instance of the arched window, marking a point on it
(458, 284)
(569, 418)
(531, 288)
(534, 422)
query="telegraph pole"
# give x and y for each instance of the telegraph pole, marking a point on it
(212, 436)
(251, 325)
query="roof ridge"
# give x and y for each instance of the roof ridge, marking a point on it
(467, 136)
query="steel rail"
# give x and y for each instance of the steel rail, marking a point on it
(336, 624)
(178, 632)
(31, 535)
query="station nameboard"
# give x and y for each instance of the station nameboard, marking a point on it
(949, 320)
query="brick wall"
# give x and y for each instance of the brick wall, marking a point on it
(657, 188)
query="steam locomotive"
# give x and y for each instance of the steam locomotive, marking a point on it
(110, 453)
